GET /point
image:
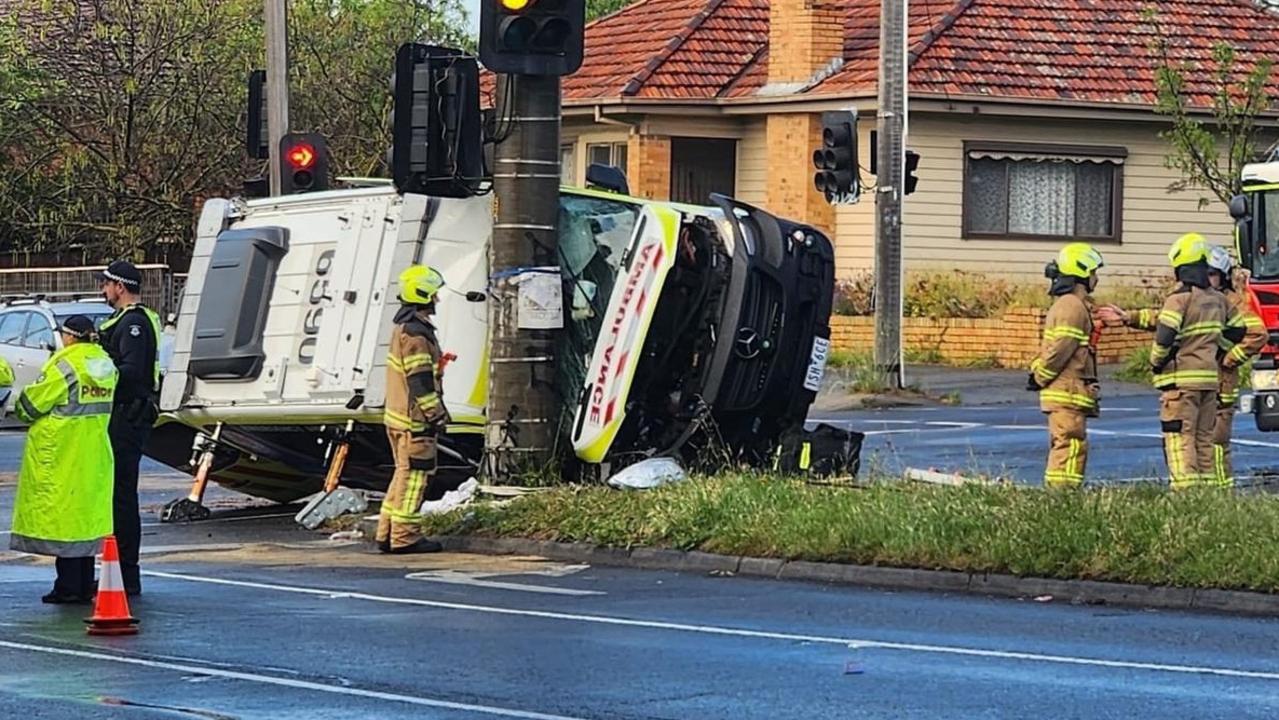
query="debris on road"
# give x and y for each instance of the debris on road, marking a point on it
(347, 535)
(453, 499)
(648, 474)
(933, 477)
(852, 667)
(1044, 598)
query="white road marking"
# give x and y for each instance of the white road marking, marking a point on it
(729, 631)
(284, 682)
(456, 577)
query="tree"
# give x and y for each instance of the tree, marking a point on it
(599, 8)
(1210, 153)
(130, 112)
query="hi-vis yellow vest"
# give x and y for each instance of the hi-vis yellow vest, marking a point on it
(63, 505)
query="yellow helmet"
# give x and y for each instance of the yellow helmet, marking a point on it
(419, 284)
(1188, 250)
(1079, 260)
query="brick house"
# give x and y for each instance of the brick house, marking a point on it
(1034, 118)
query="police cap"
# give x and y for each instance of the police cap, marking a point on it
(123, 272)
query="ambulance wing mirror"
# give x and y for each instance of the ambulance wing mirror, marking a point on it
(474, 296)
(1243, 229)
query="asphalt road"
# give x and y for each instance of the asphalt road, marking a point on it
(1011, 440)
(304, 628)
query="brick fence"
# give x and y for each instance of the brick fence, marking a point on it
(1011, 340)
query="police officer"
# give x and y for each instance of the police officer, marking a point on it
(63, 506)
(414, 414)
(131, 336)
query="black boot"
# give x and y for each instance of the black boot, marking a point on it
(418, 548)
(62, 597)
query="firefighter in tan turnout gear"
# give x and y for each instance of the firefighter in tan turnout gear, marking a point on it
(414, 414)
(1196, 328)
(1221, 274)
(1065, 373)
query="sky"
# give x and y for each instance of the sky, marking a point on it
(473, 15)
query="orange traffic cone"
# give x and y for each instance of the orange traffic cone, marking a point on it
(111, 607)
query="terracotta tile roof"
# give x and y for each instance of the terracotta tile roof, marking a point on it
(1058, 50)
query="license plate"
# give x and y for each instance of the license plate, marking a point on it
(817, 364)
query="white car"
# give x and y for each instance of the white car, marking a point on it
(28, 336)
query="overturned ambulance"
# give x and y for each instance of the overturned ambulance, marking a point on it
(690, 330)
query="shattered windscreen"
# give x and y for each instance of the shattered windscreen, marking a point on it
(593, 234)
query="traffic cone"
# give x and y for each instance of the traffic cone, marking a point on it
(111, 608)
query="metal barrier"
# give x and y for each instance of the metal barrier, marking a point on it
(65, 284)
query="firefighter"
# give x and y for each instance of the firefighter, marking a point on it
(1065, 373)
(414, 414)
(131, 336)
(63, 506)
(1188, 334)
(1220, 275)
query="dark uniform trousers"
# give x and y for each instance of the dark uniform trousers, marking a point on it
(127, 440)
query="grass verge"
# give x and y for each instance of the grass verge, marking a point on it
(1206, 539)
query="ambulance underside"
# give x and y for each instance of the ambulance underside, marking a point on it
(283, 328)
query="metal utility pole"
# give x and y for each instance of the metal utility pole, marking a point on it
(277, 84)
(523, 408)
(891, 188)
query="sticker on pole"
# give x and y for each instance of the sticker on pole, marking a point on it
(817, 364)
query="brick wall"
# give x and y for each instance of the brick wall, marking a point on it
(648, 166)
(803, 36)
(791, 140)
(1008, 341)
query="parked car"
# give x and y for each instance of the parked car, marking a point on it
(28, 336)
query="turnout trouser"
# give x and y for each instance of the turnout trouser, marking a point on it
(1187, 419)
(1222, 430)
(1068, 449)
(127, 441)
(400, 519)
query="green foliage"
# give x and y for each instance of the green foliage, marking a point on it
(1136, 367)
(1209, 154)
(956, 294)
(113, 131)
(1206, 539)
(860, 369)
(923, 356)
(596, 9)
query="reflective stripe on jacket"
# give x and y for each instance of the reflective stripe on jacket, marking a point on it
(414, 397)
(1189, 331)
(1254, 339)
(63, 505)
(1066, 368)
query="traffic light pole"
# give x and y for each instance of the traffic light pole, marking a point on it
(277, 85)
(891, 188)
(523, 407)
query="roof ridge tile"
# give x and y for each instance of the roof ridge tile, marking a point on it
(636, 82)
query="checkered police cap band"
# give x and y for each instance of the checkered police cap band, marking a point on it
(125, 281)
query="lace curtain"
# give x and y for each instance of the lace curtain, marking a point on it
(1028, 195)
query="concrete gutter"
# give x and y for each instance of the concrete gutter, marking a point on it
(1076, 592)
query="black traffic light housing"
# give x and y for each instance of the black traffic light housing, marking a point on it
(912, 164)
(836, 160)
(532, 37)
(256, 139)
(304, 163)
(437, 134)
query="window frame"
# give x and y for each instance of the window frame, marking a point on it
(24, 317)
(1060, 150)
(48, 326)
(612, 146)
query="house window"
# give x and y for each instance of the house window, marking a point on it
(1015, 190)
(607, 154)
(701, 166)
(568, 166)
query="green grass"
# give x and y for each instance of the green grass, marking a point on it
(1147, 535)
(923, 356)
(863, 376)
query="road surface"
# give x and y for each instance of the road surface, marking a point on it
(252, 617)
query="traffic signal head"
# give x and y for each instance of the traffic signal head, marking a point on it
(912, 163)
(304, 163)
(436, 128)
(532, 37)
(836, 160)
